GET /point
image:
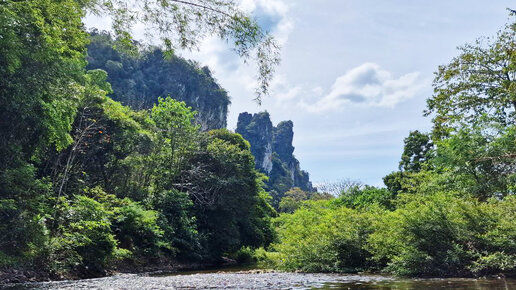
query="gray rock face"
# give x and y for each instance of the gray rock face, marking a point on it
(138, 80)
(209, 116)
(274, 153)
(257, 129)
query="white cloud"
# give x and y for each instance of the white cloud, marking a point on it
(368, 85)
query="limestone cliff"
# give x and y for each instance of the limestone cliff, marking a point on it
(139, 78)
(274, 153)
(258, 129)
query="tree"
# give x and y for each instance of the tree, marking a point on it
(474, 103)
(232, 209)
(479, 160)
(174, 121)
(366, 197)
(80, 174)
(417, 150)
(341, 187)
(293, 199)
(481, 81)
(42, 46)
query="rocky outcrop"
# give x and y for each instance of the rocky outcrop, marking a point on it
(139, 78)
(258, 130)
(274, 153)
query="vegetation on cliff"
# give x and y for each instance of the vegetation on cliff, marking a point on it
(141, 76)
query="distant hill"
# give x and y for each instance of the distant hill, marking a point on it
(273, 152)
(138, 79)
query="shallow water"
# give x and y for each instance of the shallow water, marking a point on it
(232, 279)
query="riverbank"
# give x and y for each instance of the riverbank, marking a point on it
(17, 276)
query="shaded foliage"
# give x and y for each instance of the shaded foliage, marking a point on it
(85, 181)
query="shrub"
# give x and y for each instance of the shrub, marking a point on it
(441, 235)
(136, 228)
(244, 255)
(321, 238)
(85, 240)
(368, 196)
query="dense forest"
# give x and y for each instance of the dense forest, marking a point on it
(103, 164)
(450, 210)
(87, 183)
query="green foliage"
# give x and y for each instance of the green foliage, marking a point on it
(172, 116)
(84, 239)
(295, 197)
(369, 196)
(480, 159)
(244, 255)
(292, 200)
(479, 82)
(322, 238)
(450, 209)
(178, 222)
(41, 67)
(136, 229)
(227, 190)
(24, 210)
(445, 236)
(417, 151)
(174, 123)
(432, 235)
(85, 181)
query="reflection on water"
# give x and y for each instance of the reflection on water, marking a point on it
(480, 284)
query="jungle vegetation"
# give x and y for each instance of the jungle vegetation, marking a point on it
(85, 182)
(449, 210)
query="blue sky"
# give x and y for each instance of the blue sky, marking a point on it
(354, 75)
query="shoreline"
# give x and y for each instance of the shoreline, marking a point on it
(20, 275)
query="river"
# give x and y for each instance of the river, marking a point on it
(266, 280)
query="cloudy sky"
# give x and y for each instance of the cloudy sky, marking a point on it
(354, 74)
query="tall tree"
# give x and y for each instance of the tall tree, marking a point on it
(417, 150)
(480, 81)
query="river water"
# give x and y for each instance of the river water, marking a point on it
(266, 280)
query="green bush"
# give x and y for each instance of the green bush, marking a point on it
(136, 229)
(366, 197)
(441, 235)
(23, 212)
(85, 240)
(244, 255)
(427, 235)
(323, 238)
